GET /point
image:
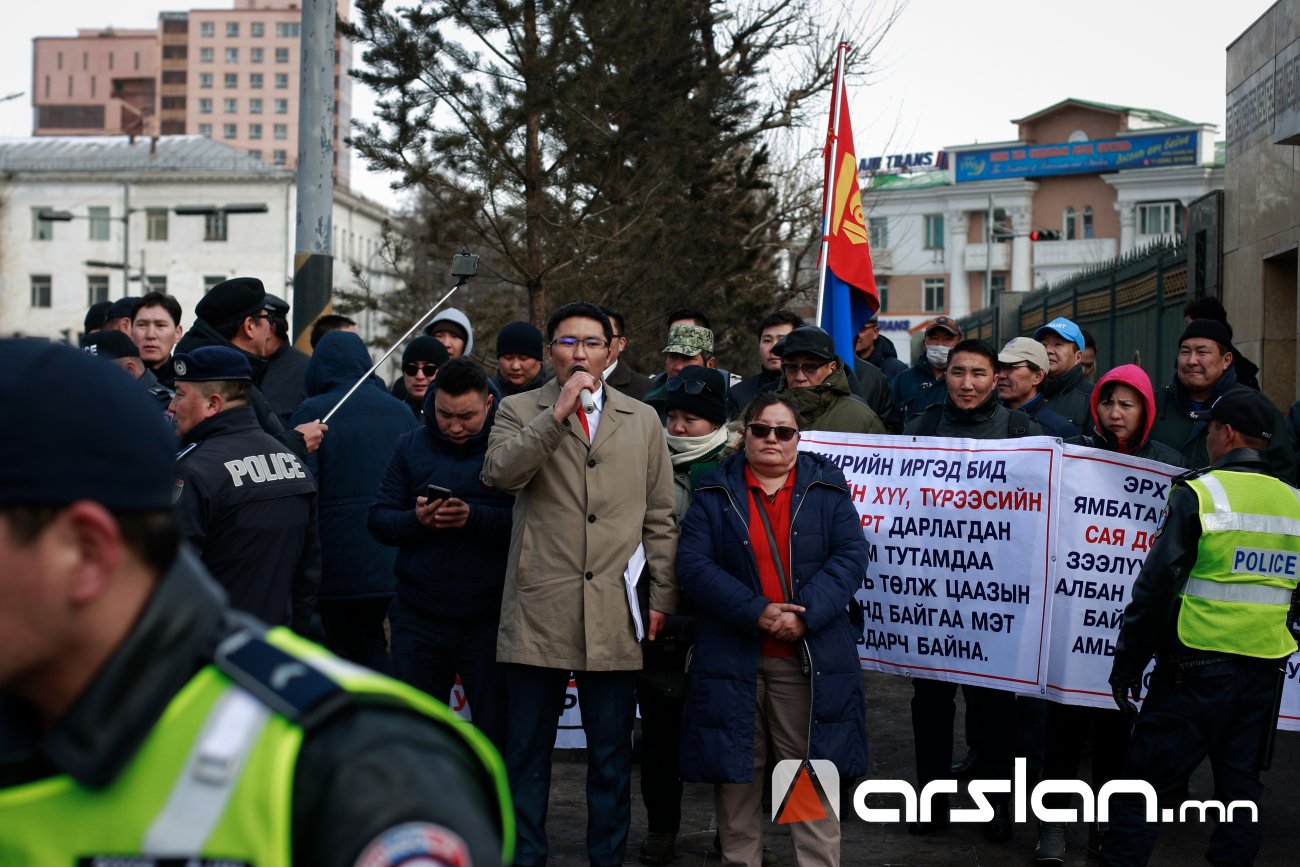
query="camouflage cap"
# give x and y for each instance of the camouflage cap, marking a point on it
(689, 340)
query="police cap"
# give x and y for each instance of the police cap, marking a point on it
(122, 307)
(1245, 410)
(55, 457)
(96, 315)
(212, 364)
(110, 344)
(233, 300)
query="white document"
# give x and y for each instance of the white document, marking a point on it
(631, 575)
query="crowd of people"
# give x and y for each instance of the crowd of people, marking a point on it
(658, 538)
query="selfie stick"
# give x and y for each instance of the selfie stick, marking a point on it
(464, 278)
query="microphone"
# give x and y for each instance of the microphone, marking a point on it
(584, 396)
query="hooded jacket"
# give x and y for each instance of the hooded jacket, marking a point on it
(1136, 378)
(716, 565)
(832, 406)
(349, 465)
(452, 314)
(1175, 427)
(203, 334)
(884, 355)
(1069, 395)
(452, 572)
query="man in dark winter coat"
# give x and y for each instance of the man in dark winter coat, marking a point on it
(1022, 369)
(771, 331)
(286, 366)
(1204, 371)
(619, 372)
(235, 314)
(971, 410)
(1066, 388)
(356, 571)
(420, 362)
(245, 504)
(452, 550)
(921, 385)
(519, 359)
(872, 349)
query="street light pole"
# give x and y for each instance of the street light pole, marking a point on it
(126, 241)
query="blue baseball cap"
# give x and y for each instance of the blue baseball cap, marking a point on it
(1063, 328)
(212, 364)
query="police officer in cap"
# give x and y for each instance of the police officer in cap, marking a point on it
(1211, 604)
(116, 347)
(238, 313)
(247, 504)
(272, 751)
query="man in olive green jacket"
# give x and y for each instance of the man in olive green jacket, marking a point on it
(590, 487)
(813, 377)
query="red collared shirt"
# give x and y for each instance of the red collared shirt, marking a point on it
(777, 508)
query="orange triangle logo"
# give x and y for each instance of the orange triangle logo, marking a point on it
(802, 804)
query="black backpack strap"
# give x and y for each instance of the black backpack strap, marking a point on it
(291, 687)
(1017, 423)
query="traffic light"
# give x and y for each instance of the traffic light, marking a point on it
(1045, 235)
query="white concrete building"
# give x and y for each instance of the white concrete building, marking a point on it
(1105, 178)
(119, 202)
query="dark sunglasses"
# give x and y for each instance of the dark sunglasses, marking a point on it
(761, 431)
(416, 367)
(690, 386)
(808, 368)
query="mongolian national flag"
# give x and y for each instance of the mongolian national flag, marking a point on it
(848, 294)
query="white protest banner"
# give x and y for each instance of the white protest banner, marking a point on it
(1289, 717)
(1110, 509)
(961, 534)
(569, 735)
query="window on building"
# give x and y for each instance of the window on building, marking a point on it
(41, 290)
(934, 234)
(96, 288)
(208, 28)
(1071, 224)
(878, 233)
(1087, 221)
(255, 55)
(282, 81)
(230, 105)
(1159, 218)
(85, 60)
(214, 227)
(59, 64)
(232, 80)
(70, 87)
(232, 29)
(933, 291)
(282, 131)
(882, 287)
(232, 55)
(42, 230)
(255, 154)
(255, 80)
(137, 60)
(205, 79)
(280, 158)
(207, 55)
(998, 284)
(257, 29)
(287, 29)
(255, 106)
(110, 60)
(93, 83)
(155, 224)
(205, 105)
(156, 282)
(205, 130)
(254, 130)
(281, 55)
(99, 226)
(47, 87)
(229, 130)
(282, 106)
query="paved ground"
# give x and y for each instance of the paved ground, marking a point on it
(891, 755)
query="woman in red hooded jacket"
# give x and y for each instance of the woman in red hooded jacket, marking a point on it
(1123, 412)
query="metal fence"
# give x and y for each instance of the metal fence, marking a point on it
(1133, 306)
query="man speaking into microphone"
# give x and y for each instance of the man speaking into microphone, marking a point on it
(593, 487)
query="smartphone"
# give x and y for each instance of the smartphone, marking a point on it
(437, 492)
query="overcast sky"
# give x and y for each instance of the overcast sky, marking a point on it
(951, 72)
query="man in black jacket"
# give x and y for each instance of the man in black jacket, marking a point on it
(286, 365)
(109, 625)
(619, 372)
(245, 503)
(519, 359)
(771, 331)
(1066, 388)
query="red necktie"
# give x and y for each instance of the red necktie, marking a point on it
(586, 426)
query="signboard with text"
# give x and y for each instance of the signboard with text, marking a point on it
(1143, 151)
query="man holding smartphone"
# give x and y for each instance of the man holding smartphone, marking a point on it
(452, 534)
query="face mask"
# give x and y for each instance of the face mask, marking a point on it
(937, 356)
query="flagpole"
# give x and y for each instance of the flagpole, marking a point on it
(837, 89)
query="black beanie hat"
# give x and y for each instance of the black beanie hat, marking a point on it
(232, 300)
(701, 391)
(1210, 329)
(55, 459)
(520, 338)
(425, 349)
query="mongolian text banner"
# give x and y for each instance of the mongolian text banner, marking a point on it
(961, 533)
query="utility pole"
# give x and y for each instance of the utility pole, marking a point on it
(313, 265)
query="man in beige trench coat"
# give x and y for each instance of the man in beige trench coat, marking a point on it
(590, 487)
